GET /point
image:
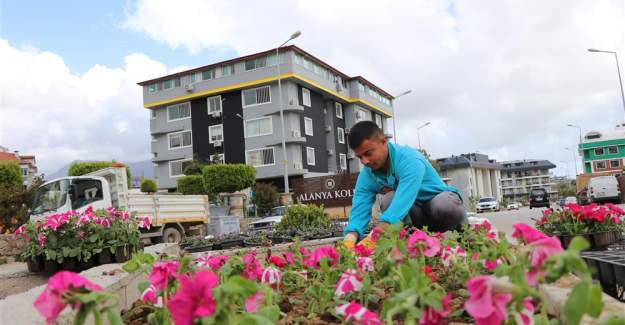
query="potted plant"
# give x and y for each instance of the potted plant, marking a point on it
(229, 241)
(258, 239)
(600, 225)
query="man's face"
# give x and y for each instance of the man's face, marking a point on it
(373, 152)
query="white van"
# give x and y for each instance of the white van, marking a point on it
(603, 188)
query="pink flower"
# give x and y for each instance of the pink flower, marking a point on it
(162, 273)
(104, 222)
(615, 209)
(145, 222)
(542, 249)
(528, 233)
(51, 302)
(254, 302)
(451, 255)
(432, 316)
(492, 235)
(20, 230)
(150, 294)
(430, 273)
(491, 265)
(124, 215)
(485, 305)
(348, 283)
(253, 268)
(396, 255)
(55, 221)
(526, 316)
(402, 233)
(483, 225)
(83, 219)
(362, 250)
(194, 299)
(271, 276)
(419, 242)
(328, 252)
(375, 234)
(355, 313)
(213, 262)
(365, 264)
(288, 256)
(547, 212)
(42, 239)
(277, 261)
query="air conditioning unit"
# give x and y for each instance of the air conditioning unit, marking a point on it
(217, 143)
(351, 155)
(295, 134)
(216, 114)
(328, 128)
(330, 152)
(189, 87)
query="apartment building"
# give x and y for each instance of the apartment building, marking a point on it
(27, 163)
(230, 112)
(519, 177)
(474, 174)
(603, 152)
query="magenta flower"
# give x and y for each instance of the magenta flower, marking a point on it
(396, 255)
(485, 305)
(348, 283)
(104, 222)
(194, 299)
(432, 316)
(327, 252)
(541, 249)
(403, 233)
(491, 265)
(20, 230)
(289, 257)
(42, 239)
(527, 233)
(362, 250)
(50, 302)
(253, 268)
(451, 255)
(420, 243)
(277, 261)
(213, 262)
(55, 221)
(254, 302)
(123, 216)
(357, 314)
(150, 295)
(484, 224)
(162, 273)
(145, 222)
(271, 276)
(365, 264)
(526, 316)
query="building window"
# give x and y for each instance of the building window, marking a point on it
(171, 83)
(310, 156)
(227, 70)
(338, 107)
(208, 74)
(154, 138)
(256, 96)
(191, 78)
(600, 165)
(215, 133)
(378, 120)
(25, 171)
(613, 150)
(177, 167)
(340, 135)
(256, 63)
(343, 161)
(308, 126)
(261, 157)
(599, 151)
(258, 127)
(179, 140)
(615, 163)
(152, 88)
(363, 115)
(178, 111)
(305, 97)
(214, 104)
(152, 114)
(217, 158)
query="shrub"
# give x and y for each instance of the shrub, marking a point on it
(191, 185)
(14, 204)
(148, 186)
(265, 197)
(195, 168)
(302, 216)
(82, 168)
(227, 178)
(10, 174)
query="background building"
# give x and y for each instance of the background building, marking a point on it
(518, 177)
(27, 163)
(603, 152)
(473, 174)
(229, 111)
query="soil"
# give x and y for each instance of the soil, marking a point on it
(15, 285)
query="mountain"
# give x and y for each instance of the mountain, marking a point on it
(142, 168)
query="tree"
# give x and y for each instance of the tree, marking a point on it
(303, 216)
(227, 178)
(14, 204)
(191, 185)
(566, 188)
(148, 186)
(81, 168)
(11, 174)
(265, 197)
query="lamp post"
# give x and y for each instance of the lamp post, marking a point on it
(566, 171)
(580, 136)
(285, 161)
(418, 133)
(618, 70)
(395, 117)
(574, 158)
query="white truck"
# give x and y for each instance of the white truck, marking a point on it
(173, 215)
(603, 188)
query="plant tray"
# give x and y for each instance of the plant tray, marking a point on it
(610, 270)
(199, 248)
(597, 241)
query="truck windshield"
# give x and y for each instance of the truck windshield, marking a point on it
(50, 197)
(276, 212)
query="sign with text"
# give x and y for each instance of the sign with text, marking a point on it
(331, 191)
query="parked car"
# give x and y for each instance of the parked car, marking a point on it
(603, 189)
(487, 204)
(539, 198)
(268, 223)
(570, 200)
(513, 206)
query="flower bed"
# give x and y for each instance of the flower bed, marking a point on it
(600, 225)
(80, 240)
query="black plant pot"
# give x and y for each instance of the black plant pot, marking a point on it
(199, 248)
(122, 254)
(276, 239)
(105, 256)
(51, 266)
(70, 264)
(603, 239)
(87, 264)
(231, 243)
(35, 263)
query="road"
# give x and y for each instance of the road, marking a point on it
(504, 220)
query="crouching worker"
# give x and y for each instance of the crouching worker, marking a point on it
(413, 193)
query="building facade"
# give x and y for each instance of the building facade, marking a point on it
(473, 174)
(603, 152)
(230, 112)
(519, 177)
(27, 163)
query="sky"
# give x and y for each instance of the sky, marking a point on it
(502, 78)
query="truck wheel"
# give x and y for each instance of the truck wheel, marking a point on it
(172, 235)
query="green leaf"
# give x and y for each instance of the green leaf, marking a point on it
(143, 286)
(255, 319)
(81, 315)
(595, 301)
(576, 304)
(113, 317)
(131, 266)
(614, 320)
(271, 312)
(578, 244)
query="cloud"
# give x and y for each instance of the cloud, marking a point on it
(502, 77)
(59, 116)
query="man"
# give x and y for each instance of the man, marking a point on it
(412, 190)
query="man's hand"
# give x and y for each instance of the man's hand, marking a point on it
(350, 240)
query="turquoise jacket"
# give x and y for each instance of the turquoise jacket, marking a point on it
(410, 175)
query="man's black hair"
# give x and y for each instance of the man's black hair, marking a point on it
(362, 131)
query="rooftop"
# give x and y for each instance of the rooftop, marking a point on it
(475, 160)
(526, 164)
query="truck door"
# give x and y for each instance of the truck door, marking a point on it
(88, 192)
(50, 198)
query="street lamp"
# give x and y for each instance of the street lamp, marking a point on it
(418, 135)
(618, 70)
(395, 117)
(580, 136)
(566, 171)
(574, 158)
(285, 161)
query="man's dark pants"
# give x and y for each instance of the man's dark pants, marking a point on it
(443, 212)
